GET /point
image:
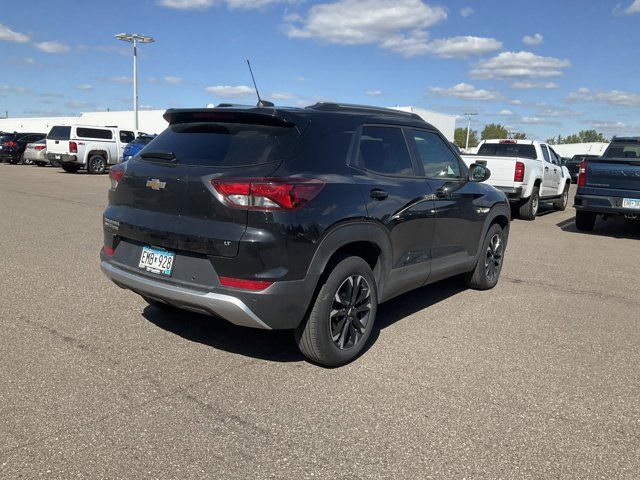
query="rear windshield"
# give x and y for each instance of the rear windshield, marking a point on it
(6, 137)
(508, 150)
(141, 141)
(623, 150)
(225, 144)
(59, 133)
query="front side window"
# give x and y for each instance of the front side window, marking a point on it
(126, 136)
(384, 150)
(94, 133)
(436, 157)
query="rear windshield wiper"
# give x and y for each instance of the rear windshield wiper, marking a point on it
(159, 155)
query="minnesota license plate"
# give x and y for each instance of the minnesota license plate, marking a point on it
(633, 203)
(156, 261)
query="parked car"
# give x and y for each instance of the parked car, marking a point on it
(12, 145)
(92, 148)
(35, 153)
(133, 148)
(573, 165)
(527, 172)
(609, 185)
(302, 219)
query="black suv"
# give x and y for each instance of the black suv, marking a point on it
(12, 145)
(302, 219)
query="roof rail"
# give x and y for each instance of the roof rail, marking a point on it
(349, 107)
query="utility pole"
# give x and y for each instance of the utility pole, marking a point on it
(469, 115)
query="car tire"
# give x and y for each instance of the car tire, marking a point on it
(342, 315)
(97, 165)
(585, 221)
(486, 273)
(40, 164)
(561, 205)
(15, 161)
(529, 209)
(70, 168)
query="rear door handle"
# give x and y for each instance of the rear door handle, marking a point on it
(546, 169)
(378, 194)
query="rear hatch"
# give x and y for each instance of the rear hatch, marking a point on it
(614, 173)
(501, 159)
(58, 139)
(166, 197)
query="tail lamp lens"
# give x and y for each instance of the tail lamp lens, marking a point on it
(116, 173)
(40, 147)
(267, 194)
(253, 285)
(582, 174)
(73, 147)
(518, 175)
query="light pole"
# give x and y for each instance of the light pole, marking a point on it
(135, 38)
(469, 115)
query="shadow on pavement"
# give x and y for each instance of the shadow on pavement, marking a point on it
(616, 227)
(279, 345)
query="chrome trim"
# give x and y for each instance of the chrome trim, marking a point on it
(228, 307)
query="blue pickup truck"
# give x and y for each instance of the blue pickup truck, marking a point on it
(609, 185)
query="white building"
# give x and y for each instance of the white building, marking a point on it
(445, 123)
(568, 150)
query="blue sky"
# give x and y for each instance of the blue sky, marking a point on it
(544, 68)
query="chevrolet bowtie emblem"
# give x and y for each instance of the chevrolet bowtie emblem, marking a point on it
(155, 184)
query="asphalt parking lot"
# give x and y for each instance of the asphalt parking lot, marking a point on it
(538, 378)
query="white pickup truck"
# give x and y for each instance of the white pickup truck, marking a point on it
(526, 171)
(94, 148)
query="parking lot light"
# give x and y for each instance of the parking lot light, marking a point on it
(134, 39)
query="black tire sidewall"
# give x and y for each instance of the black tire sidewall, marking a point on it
(481, 280)
(90, 168)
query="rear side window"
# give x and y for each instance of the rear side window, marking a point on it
(623, 150)
(508, 150)
(94, 133)
(59, 133)
(545, 153)
(327, 154)
(384, 150)
(225, 144)
(436, 157)
(126, 136)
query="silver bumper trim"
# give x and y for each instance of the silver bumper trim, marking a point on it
(225, 306)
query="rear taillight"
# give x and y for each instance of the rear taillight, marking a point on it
(116, 173)
(73, 147)
(10, 144)
(582, 174)
(267, 193)
(109, 251)
(518, 175)
(39, 147)
(253, 285)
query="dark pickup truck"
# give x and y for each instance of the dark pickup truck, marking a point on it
(609, 185)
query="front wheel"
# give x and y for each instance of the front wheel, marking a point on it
(529, 209)
(487, 271)
(96, 165)
(342, 317)
(561, 204)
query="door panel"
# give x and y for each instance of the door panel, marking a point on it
(548, 180)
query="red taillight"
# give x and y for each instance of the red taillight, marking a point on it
(40, 147)
(73, 147)
(10, 144)
(518, 175)
(253, 285)
(109, 251)
(116, 173)
(267, 193)
(582, 174)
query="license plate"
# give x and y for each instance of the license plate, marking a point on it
(57, 157)
(156, 261)
(633, 203)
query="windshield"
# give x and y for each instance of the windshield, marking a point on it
(623, 150)
(508, 150)
(225, 144)
(59, 133)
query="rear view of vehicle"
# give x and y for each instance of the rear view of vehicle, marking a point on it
(59, 148)
(609, 185)
(35, 153)
(13, 145)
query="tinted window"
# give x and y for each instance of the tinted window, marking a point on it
(59, 133)
(507, 150)
(94, 133)
(545, 153)
(623, 150)
(436, 157)
(6, 138)
(326, 154)
(384, 150)
(225, 144)
(142, 141)
(126, 136)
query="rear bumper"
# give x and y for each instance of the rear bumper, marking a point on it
(225, 306)
(602, 204)
(62, 157)
(9, 156)
(513, 194)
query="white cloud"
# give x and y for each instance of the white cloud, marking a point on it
(509, 65)
(84, 86)
(203, 4)
(505, 113)
(466, 92)
(374, 93)
(613, 97)
(530, 85)
(9, 35)
(173, 80)
(228, 91)
(18, 90)
(283, 96)
(630, 10)
(360, 22)
(536, 39)
(121, 79)
(463, 46)
(79, 104)
(466, 11)
(52, 47)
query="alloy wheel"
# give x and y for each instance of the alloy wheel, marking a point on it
(350, 312)
(493, 258)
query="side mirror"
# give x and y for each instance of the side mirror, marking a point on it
(479, 173)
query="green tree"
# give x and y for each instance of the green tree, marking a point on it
(520, 136)
(494, 131)
(584, 136)
(460, 137)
